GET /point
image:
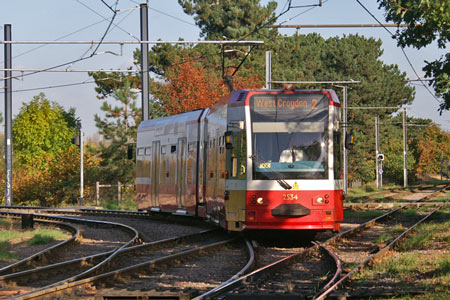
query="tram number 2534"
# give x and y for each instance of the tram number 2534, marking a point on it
(290, 197)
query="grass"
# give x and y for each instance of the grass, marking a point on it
(367, 190)
(410, 213)
(422, 260)
(365, 214)
(5, 254)
(362, 191)
(11, 238)
(127, 203)
(442, 198)
(385, 237)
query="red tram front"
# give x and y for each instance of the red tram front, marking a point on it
(258, 159)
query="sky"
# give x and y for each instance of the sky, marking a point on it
(87, 20)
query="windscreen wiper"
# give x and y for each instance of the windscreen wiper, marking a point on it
(284, 184)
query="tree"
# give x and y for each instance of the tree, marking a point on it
(121, 119)
(354, 57)
(109, 82)
(427, 21)
(299, 57)
(119, 128)
(41, 130)
(230, 19)
(190, 86)
(391, 145)
(432, 147)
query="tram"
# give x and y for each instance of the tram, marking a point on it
(256, 160)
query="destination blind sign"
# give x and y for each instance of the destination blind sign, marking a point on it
(287, 106)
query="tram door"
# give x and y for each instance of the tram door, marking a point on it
(181, 173)
(156, 158)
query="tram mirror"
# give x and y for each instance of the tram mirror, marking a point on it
(130, 151)
(349, 140)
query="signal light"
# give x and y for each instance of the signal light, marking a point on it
(75, 140)
(349, 140)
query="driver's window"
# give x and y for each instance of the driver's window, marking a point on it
(239, 155)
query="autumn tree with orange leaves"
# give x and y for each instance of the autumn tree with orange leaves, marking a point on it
(432, 147)
(191, 86)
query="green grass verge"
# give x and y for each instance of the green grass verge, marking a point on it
(365, 214)
(12, 238)
(45, 236)
(422, 260)
(127, 203)
(443, 198)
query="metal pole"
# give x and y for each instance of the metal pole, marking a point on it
(344, 88)
(119, 189)
(81, 168)
(377, 149)
(268, 70)
(405, 149)
(8, 117)
(97, 193)
(144, 62)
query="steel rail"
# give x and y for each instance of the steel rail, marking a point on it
(401, 189)
(103, 223)
(241, 280)
(85, 259)
(75, 235)
(243, 271)
(70, 285)
(371, 222)
(378, 254)
(336, 237)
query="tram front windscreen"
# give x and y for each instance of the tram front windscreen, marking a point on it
(289, 136)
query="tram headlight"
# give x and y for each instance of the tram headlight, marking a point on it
(319, 200)
(260, 200)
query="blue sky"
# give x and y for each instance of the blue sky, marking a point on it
(84, 20)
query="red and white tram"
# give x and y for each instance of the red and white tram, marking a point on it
(258, 159)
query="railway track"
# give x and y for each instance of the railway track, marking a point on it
(371, 240)
(131, 271)
(88, 237)
(389, 196)
(311, 273)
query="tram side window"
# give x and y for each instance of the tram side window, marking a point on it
(239, 155)
(337, 155)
